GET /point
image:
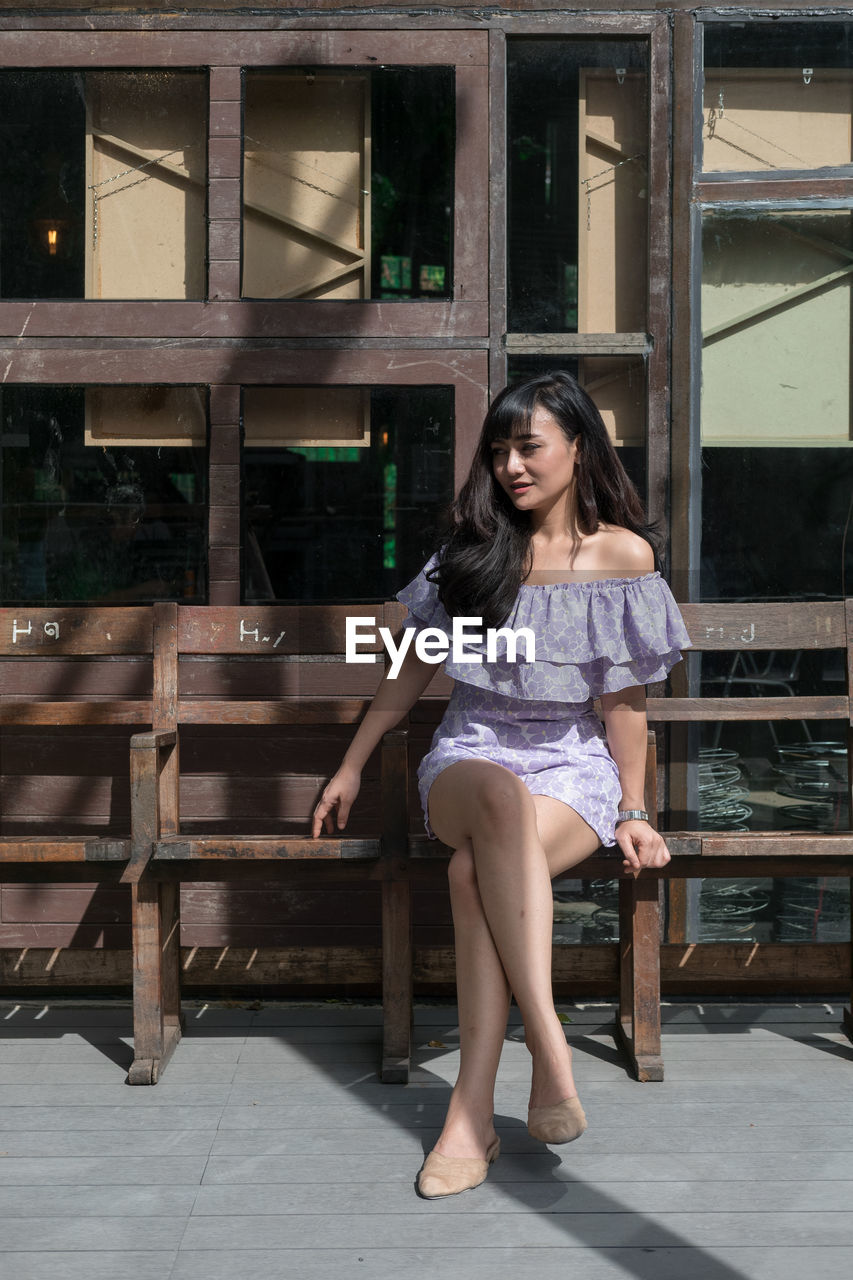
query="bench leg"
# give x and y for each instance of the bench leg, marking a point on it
(156, 979)
(396, 981)
(638, 1019)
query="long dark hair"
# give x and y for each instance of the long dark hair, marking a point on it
(486, 548)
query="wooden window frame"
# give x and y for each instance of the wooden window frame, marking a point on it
(695, 192)
(226, 55)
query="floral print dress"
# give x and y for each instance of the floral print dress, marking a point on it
(537, 718)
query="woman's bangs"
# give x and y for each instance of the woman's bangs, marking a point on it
(513, 414)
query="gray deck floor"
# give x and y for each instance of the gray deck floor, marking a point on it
(269, 1149)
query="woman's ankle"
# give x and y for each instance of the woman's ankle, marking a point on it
(552, 1079)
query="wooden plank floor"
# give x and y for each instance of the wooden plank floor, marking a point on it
(270, 1150)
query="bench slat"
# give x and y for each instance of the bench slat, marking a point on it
(818, 707)
(262, 848)
(35, 849)
(75, 713)
(314, 711)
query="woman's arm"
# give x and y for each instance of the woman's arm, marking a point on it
(392, 700)
(626, 726)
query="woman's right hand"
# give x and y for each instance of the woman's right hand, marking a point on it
(338, 794)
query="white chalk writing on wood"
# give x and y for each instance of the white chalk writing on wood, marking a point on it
(254, 633)
(51, 630)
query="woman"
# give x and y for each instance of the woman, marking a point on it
(521, 781)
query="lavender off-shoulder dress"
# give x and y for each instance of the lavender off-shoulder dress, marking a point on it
(537, 718)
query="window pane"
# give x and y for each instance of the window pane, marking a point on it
(103, 191)
(342, 488)
(348, 183)
(778, 95)
(775, 408)
(577, 155)
(783, 775)
(104, 494)
(617, 384)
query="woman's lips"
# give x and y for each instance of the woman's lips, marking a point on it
(519, 488)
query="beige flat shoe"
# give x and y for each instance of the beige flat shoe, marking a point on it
(562, 1122)
(448, 1175)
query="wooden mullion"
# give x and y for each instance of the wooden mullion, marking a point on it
(659, 279)
(498, 211)
(740, 189)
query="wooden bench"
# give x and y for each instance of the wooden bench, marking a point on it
(300, 651)
(702, 853)
(51, 679)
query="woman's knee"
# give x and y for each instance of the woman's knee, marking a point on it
(501, 798)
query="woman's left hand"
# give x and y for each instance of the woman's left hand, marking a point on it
(641, 845)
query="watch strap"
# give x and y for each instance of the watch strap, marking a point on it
(624, 815)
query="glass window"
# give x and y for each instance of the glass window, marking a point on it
(103, 191)
(348, 183)
(104, 494)
(776, 407)
(578, 179)
(778, 95)
(617, 384)
(342, 488)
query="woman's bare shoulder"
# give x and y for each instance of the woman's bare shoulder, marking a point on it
(623, 551)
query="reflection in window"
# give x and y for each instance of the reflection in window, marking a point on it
(776, 417)
(103, 189)
(342, 488)
(577, 210)
(104, 494)
(784, 775)
(617, 384)
(778, 95)
(348, 183)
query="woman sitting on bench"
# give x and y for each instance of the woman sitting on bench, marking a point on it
(521, 781)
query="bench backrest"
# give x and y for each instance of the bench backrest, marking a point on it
(43, 683)
(279, 672)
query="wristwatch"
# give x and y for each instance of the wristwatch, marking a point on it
(624, 814)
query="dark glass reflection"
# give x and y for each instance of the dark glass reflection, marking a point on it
(778, 44)
(776, 523)
(413, 124)
(345, 523)
(546, 203)
(89, 523)
(42, 184)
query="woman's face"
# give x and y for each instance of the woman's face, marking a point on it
(536, 470)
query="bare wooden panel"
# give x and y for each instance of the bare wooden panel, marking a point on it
(146, 173)
(306, 207)
(613, 201)
(152, 417)
(760, 118)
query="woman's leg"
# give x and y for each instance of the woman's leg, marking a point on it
(503, 918)
(483, 997)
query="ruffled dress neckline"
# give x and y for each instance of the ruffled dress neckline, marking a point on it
(590, 637)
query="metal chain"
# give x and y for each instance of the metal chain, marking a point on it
(94, 186)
